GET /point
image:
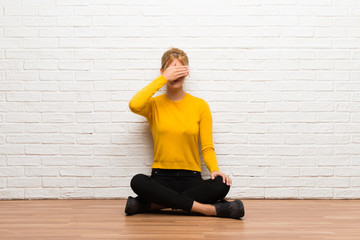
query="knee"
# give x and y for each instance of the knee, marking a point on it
(137, 181)
(221, 187)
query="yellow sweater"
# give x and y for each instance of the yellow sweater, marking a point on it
(176, 126)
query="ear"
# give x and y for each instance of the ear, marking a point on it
(161, 71)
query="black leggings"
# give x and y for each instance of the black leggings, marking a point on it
(178, 189)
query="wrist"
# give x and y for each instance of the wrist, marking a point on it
(166, 77)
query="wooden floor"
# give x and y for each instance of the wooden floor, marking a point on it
(105, 219)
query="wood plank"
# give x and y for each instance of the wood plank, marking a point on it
(105, 219)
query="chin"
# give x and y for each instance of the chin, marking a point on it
(176, 86)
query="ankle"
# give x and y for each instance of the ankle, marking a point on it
(206, 209)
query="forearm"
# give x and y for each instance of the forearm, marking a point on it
(139, 100)
(210, 160)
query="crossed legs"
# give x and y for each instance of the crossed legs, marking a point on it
(197, 198)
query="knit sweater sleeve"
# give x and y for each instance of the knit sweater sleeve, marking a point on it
(141, 101)
(207, 148)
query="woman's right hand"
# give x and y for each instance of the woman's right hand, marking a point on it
(174, 72)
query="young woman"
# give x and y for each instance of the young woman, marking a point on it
(177, 121)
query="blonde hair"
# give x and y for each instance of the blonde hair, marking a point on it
(171, 54)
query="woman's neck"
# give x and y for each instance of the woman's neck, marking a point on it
(175, 94)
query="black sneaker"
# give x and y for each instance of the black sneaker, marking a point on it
(234, 209)
(135, 205)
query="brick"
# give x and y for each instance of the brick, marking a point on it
(41, 149)
(10, 21)
(22, 76)
(49, 86)
(333, 160)
(282, 172)
(75, 107)
(90, 161)
(315, 172)
(41, 128)
(41, 65)
(347, 193)
(58, 97)
(10, 65)
(40, 193)
(94, 182)
(23, 96)
(23, 161)
(21, 32)
(264, 117)
(347, 171)
(58, 160)
(76, 128)
(72, 2)
(316, 193)
(93, 139)
(57, 76)
(57, 139)
(2, 160)
(76, 150)
(281, 193)
(96, 32)
(23, 54)
(74, 43)
(41, 172)
(57, 11)
(22, 139)
(282, 128)
(267, 139)
(282, 151)
(76, 172)
(57, 54)
(38, 3)
(93, 117)
(55, 182)
(299, 182)
(23, 117)
(265, 182)
(298, 161)
(110, 107)
(40, 43)
(332, 139)
(110, 172)
(299, 139)
(90, 10)
(334, 182)
(74, 65)
(10, 43)
(50, 32)
(21, 182)
(41, 107)
(74, 21)
(94, 97)
(111, 151)
(11, 86)
(75, 193)
(57, 118)
(76, 86)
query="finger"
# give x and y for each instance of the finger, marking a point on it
(179, 68)
(181, 74)
(229, 181)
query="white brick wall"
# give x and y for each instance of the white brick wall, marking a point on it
(282, 78)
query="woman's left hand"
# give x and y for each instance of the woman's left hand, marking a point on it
(225, 177)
